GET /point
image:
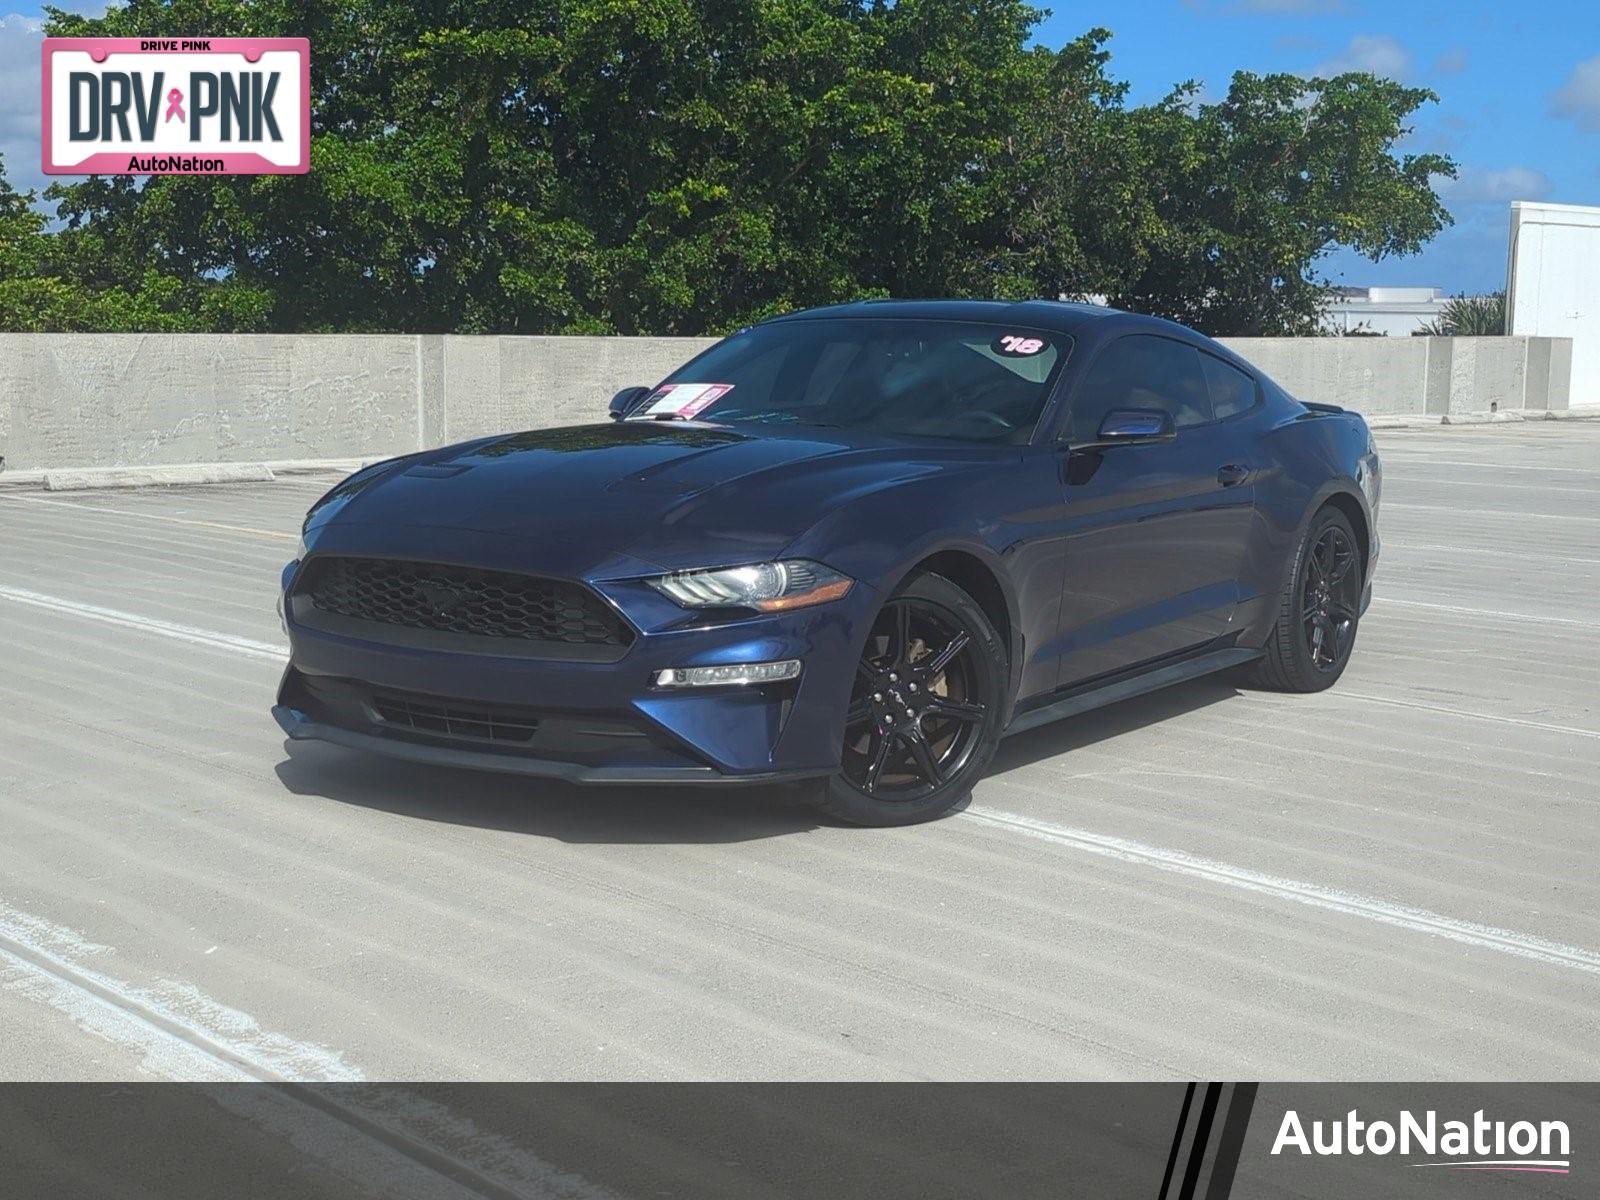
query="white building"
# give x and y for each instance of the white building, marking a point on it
(1554, 284)
(1395, 311)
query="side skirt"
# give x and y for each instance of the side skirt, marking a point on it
(1138, 685)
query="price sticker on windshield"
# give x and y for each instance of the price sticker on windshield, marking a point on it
(684, 400)
(1018, 345)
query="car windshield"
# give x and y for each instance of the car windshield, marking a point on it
(960, 380)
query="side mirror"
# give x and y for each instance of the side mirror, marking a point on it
(626, 401)
(1135, 426)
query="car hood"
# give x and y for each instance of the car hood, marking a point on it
(667, 495)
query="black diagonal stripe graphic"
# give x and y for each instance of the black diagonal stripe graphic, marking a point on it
(1202, 1135)
(1177, 1141)
(1234, 1125)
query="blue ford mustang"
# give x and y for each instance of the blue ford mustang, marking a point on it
(854, 546)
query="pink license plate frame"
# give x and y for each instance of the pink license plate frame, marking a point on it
(229, 162)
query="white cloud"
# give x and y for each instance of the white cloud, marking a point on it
(19, 92)
(1481, 185)
(19, 99)
(1376, 53)
(1579, 97)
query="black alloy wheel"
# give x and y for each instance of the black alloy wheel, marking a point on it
(924, 711)
(1319, 610)
(1330, 598)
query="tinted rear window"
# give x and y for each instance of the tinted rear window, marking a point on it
(1232, 391)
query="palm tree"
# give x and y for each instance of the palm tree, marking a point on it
(1470, 316)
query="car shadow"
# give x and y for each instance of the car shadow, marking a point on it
(543, 807)
(1098, 725)
(665, 815)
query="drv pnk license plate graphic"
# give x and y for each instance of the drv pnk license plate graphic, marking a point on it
(176, 106)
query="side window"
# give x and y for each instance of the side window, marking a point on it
(1232, 391)
(1141, 371)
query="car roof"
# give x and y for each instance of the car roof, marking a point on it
(1090, 324)
(1057, 316)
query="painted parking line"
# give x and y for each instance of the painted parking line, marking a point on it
(406, 1144)
(1423, 459)
(1392, 544)
(178, 1032)
(1462, 713)
(1497, 614)
(275, 534)
(1499, 485)
(1417, 920)
(1389, 506)
(171, 629)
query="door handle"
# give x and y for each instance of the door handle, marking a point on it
(1232, 474)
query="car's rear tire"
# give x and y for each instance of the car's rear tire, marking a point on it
(925, 711)
(1318, 612)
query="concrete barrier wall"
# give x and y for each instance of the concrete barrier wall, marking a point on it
(476, 386)
(1418, 376)
(108, 400)
(105, 400)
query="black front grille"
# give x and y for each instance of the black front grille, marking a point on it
(462, 600)
(512, 730)
(434, 716)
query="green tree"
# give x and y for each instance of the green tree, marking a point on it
(688, 166)
(72, 280)
(1470, 316)
(26, 299)
(666, 166)
(1249, 192)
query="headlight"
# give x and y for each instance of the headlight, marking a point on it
(769, 587)
(301, 551)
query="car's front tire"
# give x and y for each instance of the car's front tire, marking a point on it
(926, 709)
(1318, 612)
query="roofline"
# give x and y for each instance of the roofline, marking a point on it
(1059, 316)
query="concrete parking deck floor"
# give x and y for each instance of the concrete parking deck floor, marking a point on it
(1395, 879)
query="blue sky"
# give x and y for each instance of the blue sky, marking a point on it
(1519, 88)
(1518, 85)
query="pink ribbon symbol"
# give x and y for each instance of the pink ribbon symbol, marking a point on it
(175, 105)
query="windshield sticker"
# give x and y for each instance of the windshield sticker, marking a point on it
(683, 400)
(1018, 345)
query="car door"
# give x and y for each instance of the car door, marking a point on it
(1156, 532)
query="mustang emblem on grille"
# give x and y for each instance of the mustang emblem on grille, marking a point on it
(440, 597)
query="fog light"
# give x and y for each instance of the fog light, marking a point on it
(729, 673)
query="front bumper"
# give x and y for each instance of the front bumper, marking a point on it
(591, 721)
(301, 727)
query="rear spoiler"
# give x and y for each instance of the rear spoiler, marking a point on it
(1321, 408)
